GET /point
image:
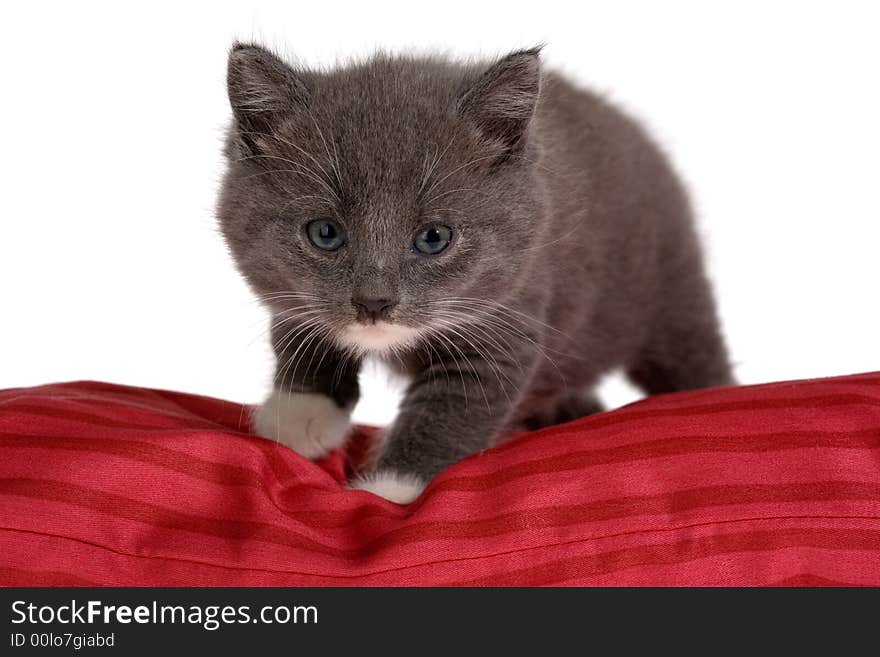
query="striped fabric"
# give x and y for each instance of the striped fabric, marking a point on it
(765, 485)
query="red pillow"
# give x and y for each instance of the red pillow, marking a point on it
(763, 485)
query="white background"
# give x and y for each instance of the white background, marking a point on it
(112, 118)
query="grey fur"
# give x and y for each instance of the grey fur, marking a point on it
(572, 233)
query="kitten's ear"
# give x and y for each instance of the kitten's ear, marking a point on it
(263, 90)
(502, 101)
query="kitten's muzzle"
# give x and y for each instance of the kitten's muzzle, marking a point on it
(372, 310)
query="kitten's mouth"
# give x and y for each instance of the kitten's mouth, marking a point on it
(379, 336)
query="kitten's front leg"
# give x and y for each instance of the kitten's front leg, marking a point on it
(315, 390)
(441, 421)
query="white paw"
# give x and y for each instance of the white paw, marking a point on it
(395, 486)
(310, 424)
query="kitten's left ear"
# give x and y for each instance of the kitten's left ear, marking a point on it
(502, 101)
(263, 90)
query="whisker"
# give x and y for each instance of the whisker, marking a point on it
(292, 145)
(457, 364)
(328, 332)
(303, 171)
(326, 149)
(307, 345)
(299, 314)
(488, 332)
(429, 203)
(485, 355)
(434, 165)
(296, 332)
(503, 323)
(456, 170)
(544, 245)
(505, 308)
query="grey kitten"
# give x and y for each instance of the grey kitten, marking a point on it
(497, 234)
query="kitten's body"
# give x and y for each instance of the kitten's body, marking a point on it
(573, 252)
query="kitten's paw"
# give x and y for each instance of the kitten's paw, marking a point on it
(395, 486)
(309, 423)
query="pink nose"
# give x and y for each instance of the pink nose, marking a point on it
(372, 309)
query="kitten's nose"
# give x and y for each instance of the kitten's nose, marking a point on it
(372, 309)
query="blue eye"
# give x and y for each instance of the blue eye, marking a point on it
(325, 234)
(432, 240)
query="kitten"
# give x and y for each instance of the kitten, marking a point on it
(499, 235)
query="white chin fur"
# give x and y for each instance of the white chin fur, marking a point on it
(310, 424)
(393, 486)
(380, 337)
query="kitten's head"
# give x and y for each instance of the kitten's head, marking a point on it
(382, 201)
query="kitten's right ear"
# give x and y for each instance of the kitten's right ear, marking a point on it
(263, 90)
